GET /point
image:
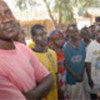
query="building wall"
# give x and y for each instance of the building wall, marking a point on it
(28, 24)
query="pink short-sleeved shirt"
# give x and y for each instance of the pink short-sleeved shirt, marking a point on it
(19, 72)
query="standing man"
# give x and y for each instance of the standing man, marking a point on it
(45, 55)
(20, 71)
(86, 37)
(74, 53)
(93, 66)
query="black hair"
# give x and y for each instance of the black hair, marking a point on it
(35, 27)
(92, 26)
(84, 30)
(70, 32)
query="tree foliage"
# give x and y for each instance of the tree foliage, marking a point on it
(62, 8)
(83, 5)
(24, 4)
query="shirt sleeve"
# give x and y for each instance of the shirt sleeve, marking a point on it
(88, 55)
(8, 91)
(39, 70)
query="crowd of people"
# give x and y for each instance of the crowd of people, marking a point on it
(64, 65)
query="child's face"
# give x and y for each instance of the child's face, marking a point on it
(75, 36)
(86, 35)
(98, 36)
(40, 38)
(92, 31)
(58, 42)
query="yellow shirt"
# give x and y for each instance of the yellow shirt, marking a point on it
(49, 60)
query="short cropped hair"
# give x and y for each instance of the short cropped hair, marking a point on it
(35, 27)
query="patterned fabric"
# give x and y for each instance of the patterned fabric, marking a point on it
(62, 83)
(55, 33)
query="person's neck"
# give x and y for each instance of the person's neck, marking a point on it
(74, 43)
(40, 49)
(87, 42)
(58, 50)
(7, 45)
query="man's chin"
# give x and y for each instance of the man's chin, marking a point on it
(6, 39)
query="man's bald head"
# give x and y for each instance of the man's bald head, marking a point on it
(3, 3)
(7, 22)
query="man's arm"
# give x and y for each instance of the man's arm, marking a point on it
(79, 79)
(42, 89)
(88, 70)
(8, 90)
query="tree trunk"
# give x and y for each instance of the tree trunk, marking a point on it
(60, 19)
(50, 13)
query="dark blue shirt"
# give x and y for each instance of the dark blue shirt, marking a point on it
(75, 59)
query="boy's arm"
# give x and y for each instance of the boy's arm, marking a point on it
(79, 79)
(88, 70)
(82, 72)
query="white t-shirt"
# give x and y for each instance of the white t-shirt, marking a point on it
(93, 57)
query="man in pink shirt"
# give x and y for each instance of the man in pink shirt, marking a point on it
(22, 77)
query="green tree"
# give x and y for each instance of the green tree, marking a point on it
(61, 11)
(64, 10)
(24, 4)
(83, 5)
(47, 3)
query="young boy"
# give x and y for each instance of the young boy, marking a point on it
(45, 55)
(87, 38)
(74, 53)
(56, 43)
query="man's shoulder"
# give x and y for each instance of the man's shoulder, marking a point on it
(20, 45)
(51, 51)
(22, 48)
(92, 44)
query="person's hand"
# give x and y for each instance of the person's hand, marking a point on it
(27, 96)
(98, 96)
(91, 84)
(79, 79)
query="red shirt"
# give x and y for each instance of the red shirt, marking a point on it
(60, 60)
